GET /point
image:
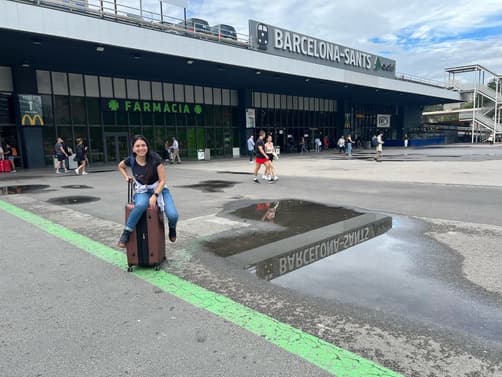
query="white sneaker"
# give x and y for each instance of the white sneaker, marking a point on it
(84, 173)
(264, 176)
(269, 177)
(76, 171)
(275, 178)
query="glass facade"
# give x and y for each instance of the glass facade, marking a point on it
(78, 105)
(361, 120)
(289, 118)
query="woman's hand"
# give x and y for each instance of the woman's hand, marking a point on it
(153, 201)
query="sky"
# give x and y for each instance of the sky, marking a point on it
(424, 37)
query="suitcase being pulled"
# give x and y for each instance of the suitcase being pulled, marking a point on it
(147, 243)
(5, 166)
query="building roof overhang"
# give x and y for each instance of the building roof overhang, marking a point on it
(51, 39)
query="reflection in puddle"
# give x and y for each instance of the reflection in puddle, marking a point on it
(21, 189)
(73, 200)
(402, 272)
(276, 220)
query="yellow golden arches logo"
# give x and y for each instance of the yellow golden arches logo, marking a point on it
(28, 120)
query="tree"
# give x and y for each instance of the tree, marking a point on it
(492, 84)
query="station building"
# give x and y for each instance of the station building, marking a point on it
(78, 69)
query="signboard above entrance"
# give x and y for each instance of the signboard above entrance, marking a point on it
(273, 40)
(131, 106)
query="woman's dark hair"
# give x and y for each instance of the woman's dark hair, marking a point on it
(150, 156)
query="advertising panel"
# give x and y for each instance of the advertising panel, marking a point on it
(30, 109)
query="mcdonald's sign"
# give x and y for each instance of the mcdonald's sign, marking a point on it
(31, 120)
(30, 110)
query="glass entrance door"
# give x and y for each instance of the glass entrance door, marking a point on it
(116, 146)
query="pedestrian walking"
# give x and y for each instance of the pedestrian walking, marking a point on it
(325, 142)
(303, 147)
(349, 143)
(272, 156)
(175, 151)
(251, 145)
(166, 153)
(341, 144)
(317, 142)
(261, 156)
(149, 176)
(379, 147)
(61, 153)
(406, 140)
(81, 157)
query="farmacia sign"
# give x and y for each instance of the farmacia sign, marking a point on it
(120, 105)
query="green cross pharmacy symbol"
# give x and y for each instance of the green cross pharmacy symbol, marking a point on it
(197, 109)
(113, 105)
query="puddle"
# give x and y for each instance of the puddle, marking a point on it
(274, 221)
(405, 273)
(22, 189)
(233, 172)
(77, 187)
(68, 200)
(212, 185)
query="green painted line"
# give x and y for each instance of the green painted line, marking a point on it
(327, 356)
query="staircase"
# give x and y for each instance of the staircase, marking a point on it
(487, 118)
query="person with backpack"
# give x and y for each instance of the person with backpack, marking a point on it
(374, 141)
(379, 147)
(149, 176)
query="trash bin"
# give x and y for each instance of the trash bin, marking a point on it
(207, 154)
(200, 154)
(236, 152)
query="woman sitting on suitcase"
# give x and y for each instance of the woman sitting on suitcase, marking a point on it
(150, 179)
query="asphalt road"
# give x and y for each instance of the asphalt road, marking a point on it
(423, 300)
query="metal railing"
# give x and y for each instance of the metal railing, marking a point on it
(140, 16)
(490, 93)
(420, 80)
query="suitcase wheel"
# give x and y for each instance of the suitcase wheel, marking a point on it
(157, 267)
(129, 269)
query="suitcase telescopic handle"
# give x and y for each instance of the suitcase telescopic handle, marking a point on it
(130, 191)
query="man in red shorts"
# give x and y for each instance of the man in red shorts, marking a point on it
(261, 156)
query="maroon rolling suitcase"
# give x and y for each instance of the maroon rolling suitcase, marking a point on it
(5, 166)
(147, 243)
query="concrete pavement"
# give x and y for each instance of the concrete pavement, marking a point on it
(457, 189)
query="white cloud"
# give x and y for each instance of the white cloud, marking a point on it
(424, 37)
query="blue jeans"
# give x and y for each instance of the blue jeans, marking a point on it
(349, 149)
(141, 202)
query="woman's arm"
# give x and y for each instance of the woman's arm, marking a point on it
(123, 171)
(162, 182)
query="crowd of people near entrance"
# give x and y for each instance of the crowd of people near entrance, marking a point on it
(265, 154)
(67, 159)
